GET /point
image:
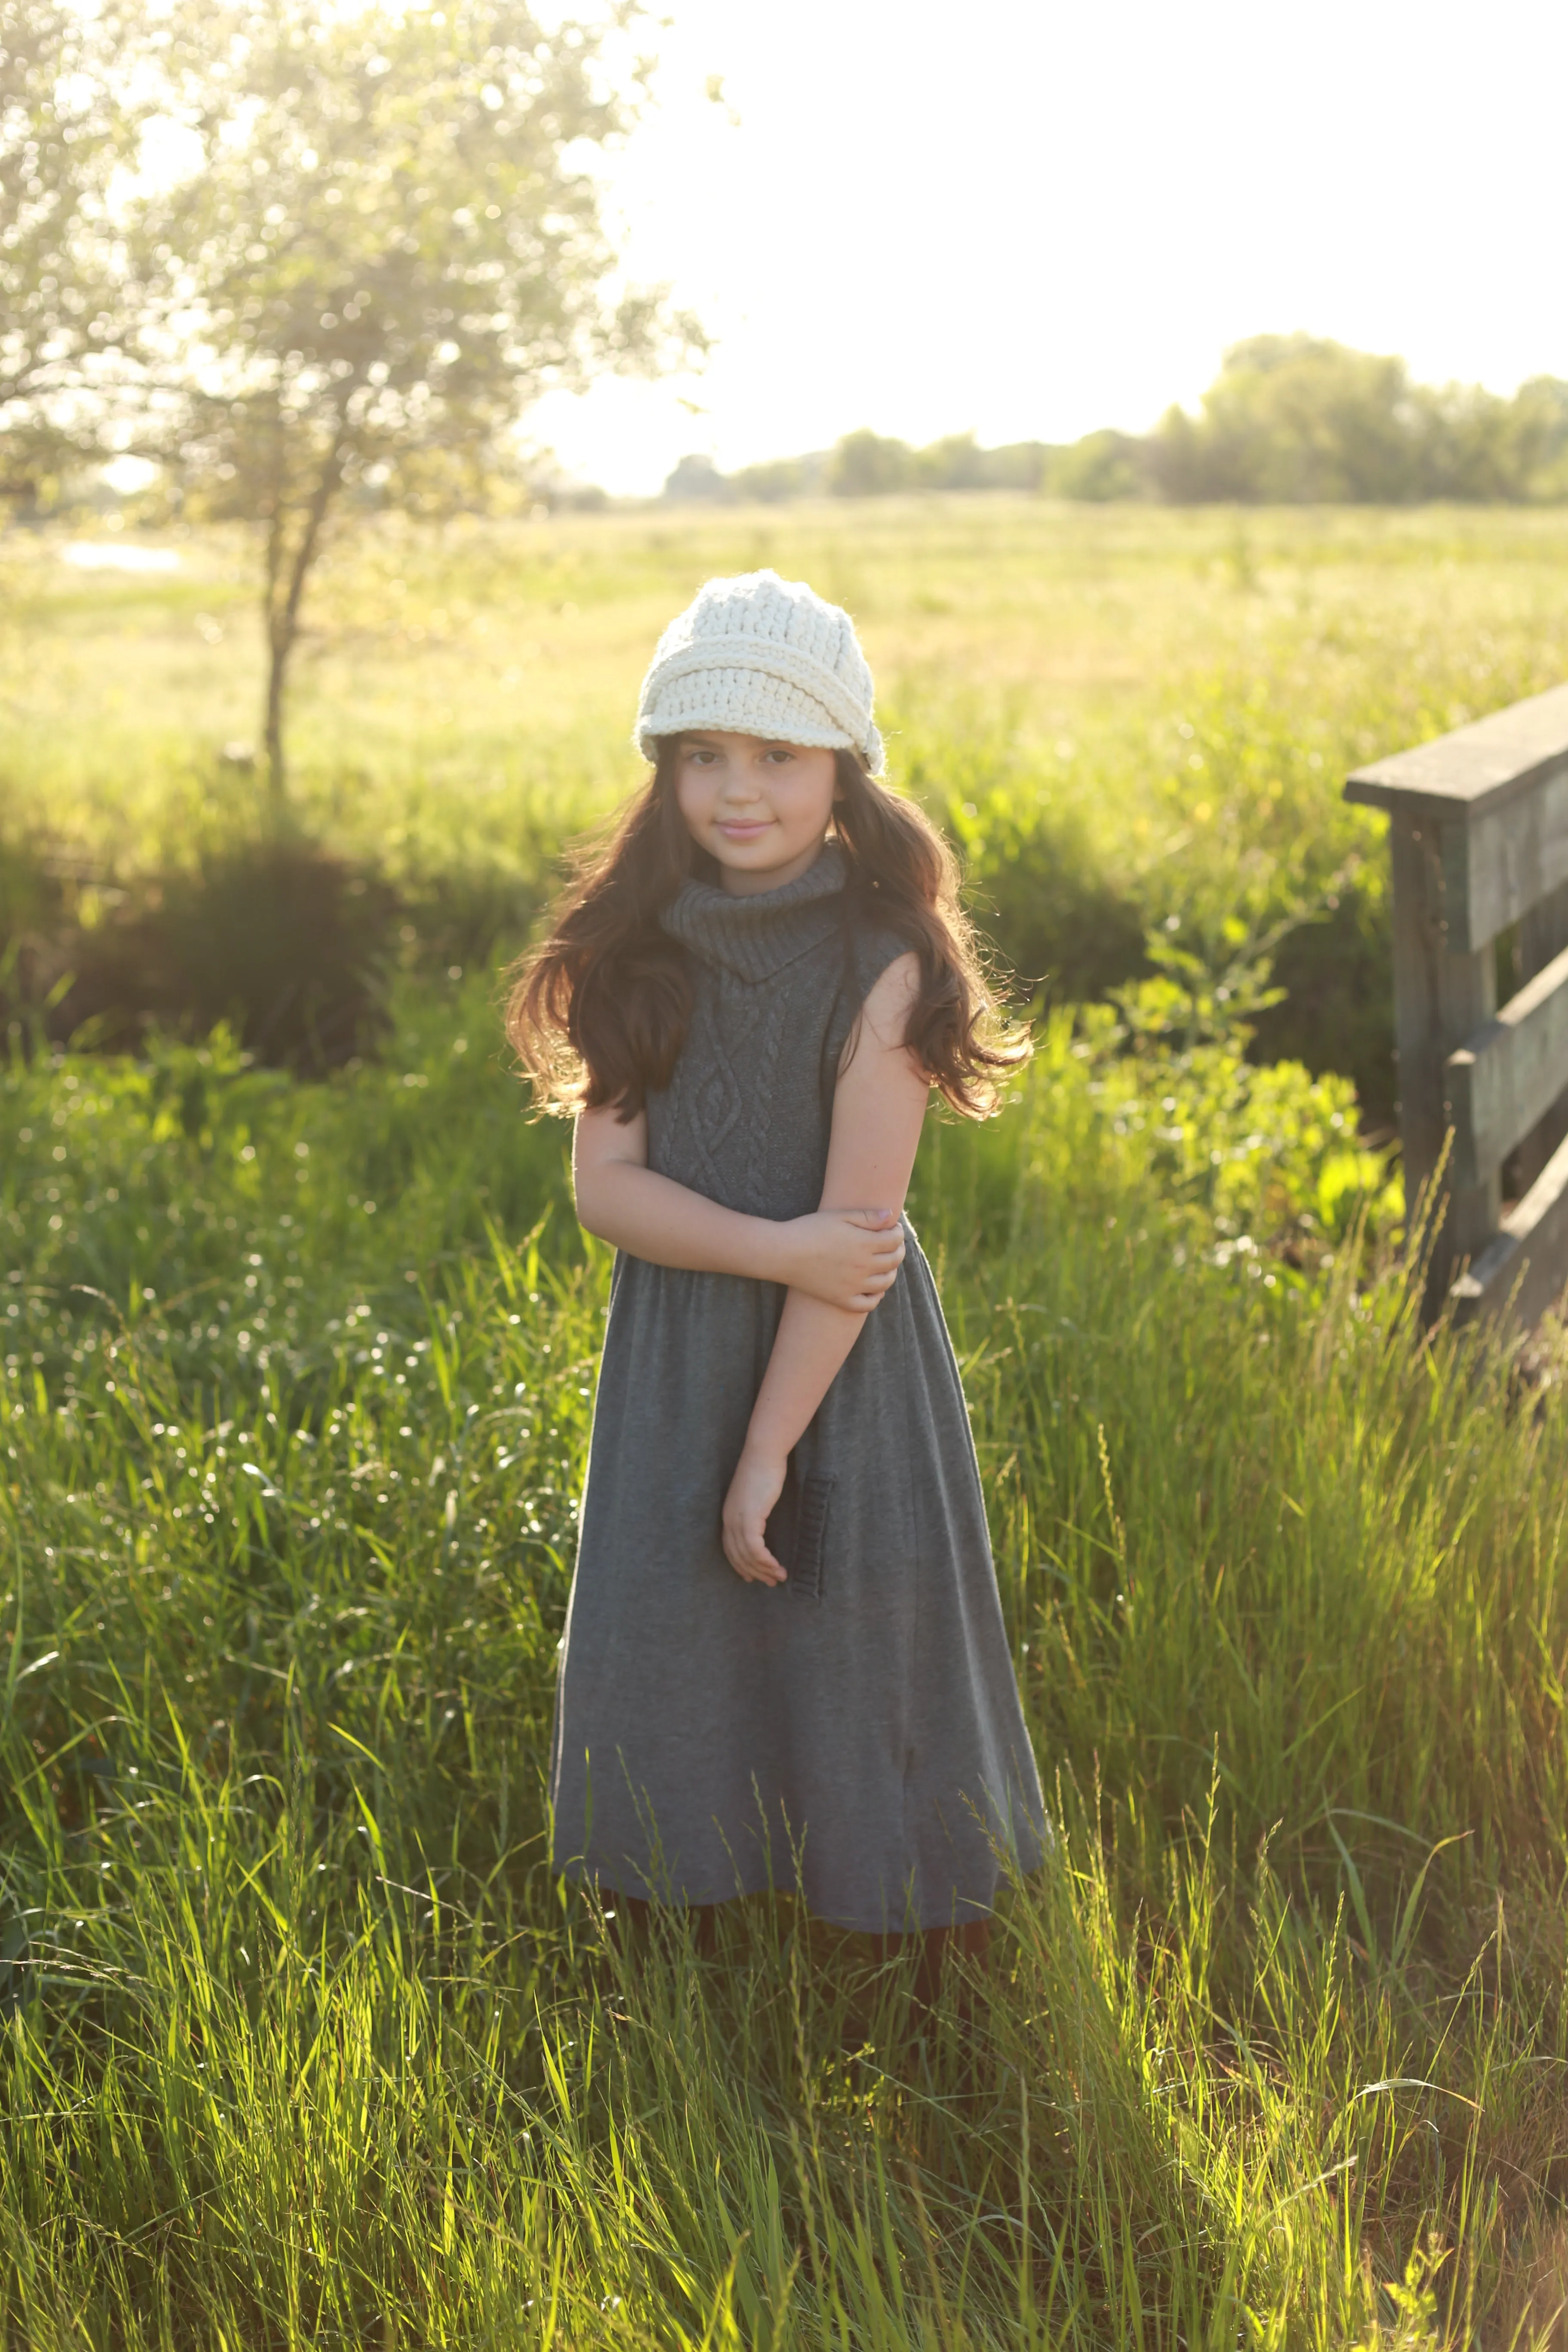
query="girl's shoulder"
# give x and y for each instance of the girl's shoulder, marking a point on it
(874, 944)
(871, 944)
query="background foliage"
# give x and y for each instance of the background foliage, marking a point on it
(1289, 419)
(339, 253)
(1125, 716)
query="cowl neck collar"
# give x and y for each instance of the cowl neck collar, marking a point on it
(758, 936)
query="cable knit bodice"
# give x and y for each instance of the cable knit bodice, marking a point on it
(778, 979)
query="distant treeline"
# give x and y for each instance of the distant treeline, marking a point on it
(1290, 420)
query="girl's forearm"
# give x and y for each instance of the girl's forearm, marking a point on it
(812, 1344)
(652, 1217)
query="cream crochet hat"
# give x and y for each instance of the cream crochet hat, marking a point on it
(762, 656)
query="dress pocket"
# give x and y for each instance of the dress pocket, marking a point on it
(797, 1531)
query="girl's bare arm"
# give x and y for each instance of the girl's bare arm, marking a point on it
(878, 1110)
(848, 1253)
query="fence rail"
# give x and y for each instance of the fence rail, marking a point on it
(1478, 837)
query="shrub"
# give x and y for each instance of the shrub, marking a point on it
(32, 901)
(1066, 914)
(1267, 1153)
(287, 944)
(1060, 920)
(1336, 1005)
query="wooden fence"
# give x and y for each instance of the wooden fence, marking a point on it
(1478, 831)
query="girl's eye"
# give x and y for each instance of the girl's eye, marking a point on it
(779, 752)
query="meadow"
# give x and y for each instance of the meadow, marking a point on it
(302, 2046)
(1121, 715)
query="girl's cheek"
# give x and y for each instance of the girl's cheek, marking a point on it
(693, 802)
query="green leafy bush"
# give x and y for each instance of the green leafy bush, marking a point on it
(1267, 1153)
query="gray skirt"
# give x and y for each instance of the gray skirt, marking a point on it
(855, 1735)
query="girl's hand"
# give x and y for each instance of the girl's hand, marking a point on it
(848, 1257)
(755, 1489)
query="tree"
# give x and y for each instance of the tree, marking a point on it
(1294, 417)
(956, 462)
(696, 479)
(1291, 418)
(1538, 427)
(777, 479)
(61, 134)
(384, 248)
(1099, 467)
(868, 465)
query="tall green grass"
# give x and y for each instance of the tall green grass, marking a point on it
(303, 2046)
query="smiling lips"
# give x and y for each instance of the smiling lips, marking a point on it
(743, 828)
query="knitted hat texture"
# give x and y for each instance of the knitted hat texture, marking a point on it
(762, 656)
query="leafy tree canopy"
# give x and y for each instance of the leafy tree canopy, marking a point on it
(61, 135)
(865, 465)
(1290, 419)
(1297, 419)
(380, 242)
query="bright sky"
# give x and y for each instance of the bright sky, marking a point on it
(1032, 217)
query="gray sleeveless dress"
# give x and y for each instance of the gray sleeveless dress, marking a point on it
(853, 1735)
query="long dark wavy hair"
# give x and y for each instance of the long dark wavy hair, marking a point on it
(597, 1012)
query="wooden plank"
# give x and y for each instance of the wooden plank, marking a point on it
(1478, 835)
(1439, 1000)
(1542, 935)
(1507, 1076)
(1522, 1271)
(1500, 861)
(1476, 768)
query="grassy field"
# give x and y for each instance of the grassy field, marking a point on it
(1174, 680)
(301, 2045)
(1121, 715)
(451, 678)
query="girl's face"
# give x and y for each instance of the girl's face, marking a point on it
(762, 809)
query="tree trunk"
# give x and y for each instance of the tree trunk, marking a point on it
(283, 610)
(271, 616)
(277, 652)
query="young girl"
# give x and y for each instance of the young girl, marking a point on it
(784, 1662)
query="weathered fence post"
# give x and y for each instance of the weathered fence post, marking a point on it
(1478, 834)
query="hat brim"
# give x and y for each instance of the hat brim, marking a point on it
(737, 696)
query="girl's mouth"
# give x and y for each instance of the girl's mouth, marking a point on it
(743, 828)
